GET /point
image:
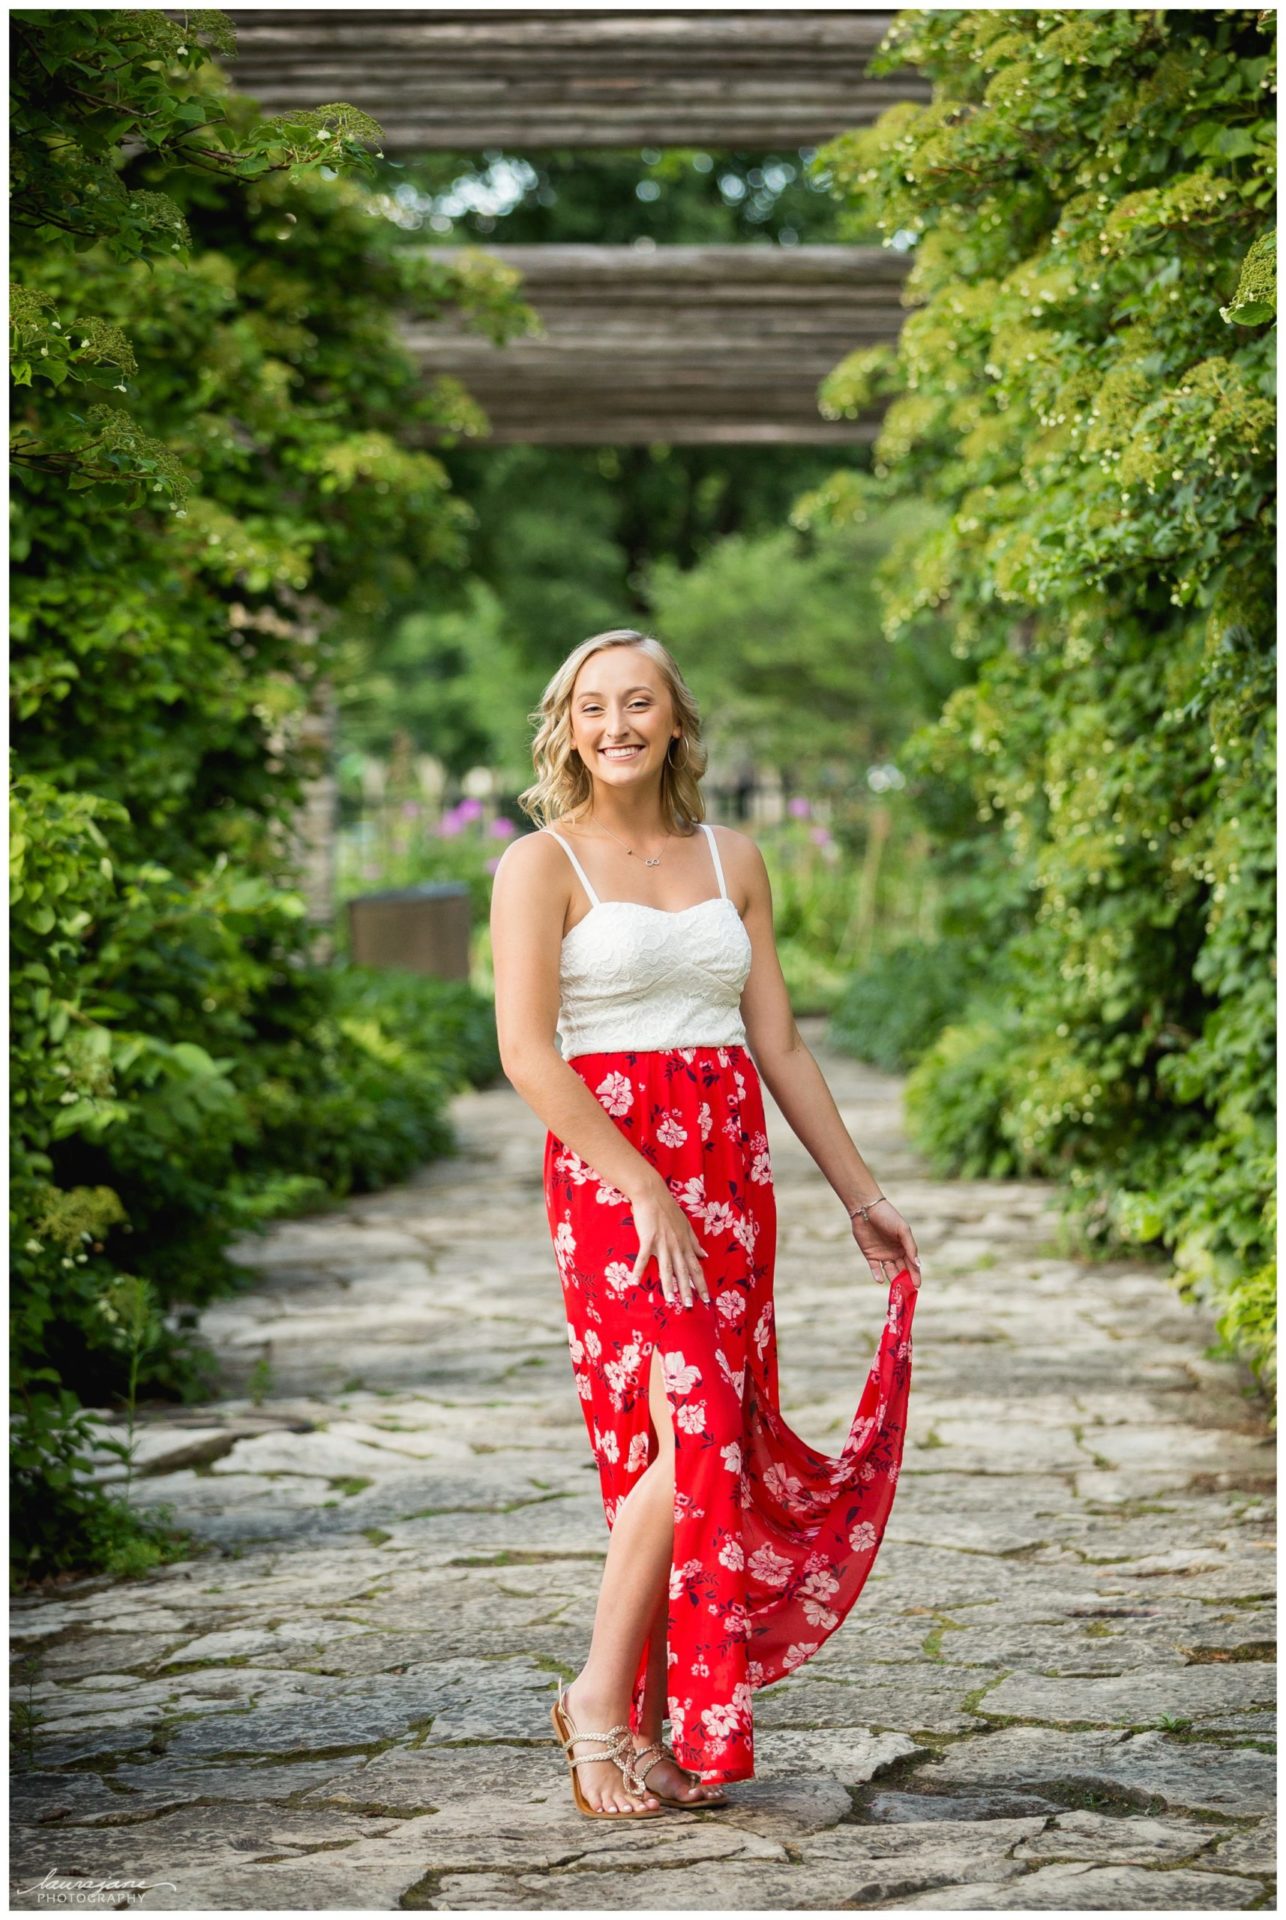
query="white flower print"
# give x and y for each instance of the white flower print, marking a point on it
(691, 1417)
(736, 1621)
(607, 1444)
(671, 1132)
(732, 1127)
(862, 1537)
(687, 1054)
(636, 1458)
(732, 1555)
(719, 1721)
(576, 1169)
(763, 1328)
(802, 1650)
(783, 1486)
(593, 1345)
(619, 1374)
(731, 1455)
(584, 1386)
(737, 1380)
(575, 1344)
(609, 1196)
(816, 1614)
(719, 1217)
(705, 1120)
(680, 1576)
(680, 1378)
(721, 1055)
(619, 1276)
(615, 1093)
(769, 1566)
(746, 1230)
(564, 1244)
(740, 1079)
(820, 1576)
(755, 1672)
(691, 1195)
(731, 1304)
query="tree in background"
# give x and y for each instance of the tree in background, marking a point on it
(1085, 385)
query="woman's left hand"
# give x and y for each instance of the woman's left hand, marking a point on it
(887, 1242)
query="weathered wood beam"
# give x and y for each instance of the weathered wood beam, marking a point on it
(690, 345)
(515, 80)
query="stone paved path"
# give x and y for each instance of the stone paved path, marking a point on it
(1055, 1690)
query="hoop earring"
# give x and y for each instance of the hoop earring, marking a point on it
(678, 765)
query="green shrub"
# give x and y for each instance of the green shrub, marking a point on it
(190, 561)
(1084, 388)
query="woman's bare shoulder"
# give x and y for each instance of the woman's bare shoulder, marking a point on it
(532, 861)
(740, 847)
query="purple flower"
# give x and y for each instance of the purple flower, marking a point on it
(502, 829)
(799, 807)
(469, 809)
(819, 836)
(449, 825)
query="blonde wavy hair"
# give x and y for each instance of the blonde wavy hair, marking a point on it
(563, 783)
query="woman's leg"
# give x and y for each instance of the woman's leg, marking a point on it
(633, 1601)
(637, 1568)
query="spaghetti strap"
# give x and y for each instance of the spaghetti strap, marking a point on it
(584, 878)
(718, 864)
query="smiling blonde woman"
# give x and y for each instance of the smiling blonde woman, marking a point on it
(642, 938)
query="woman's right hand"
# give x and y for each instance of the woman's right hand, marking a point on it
(665, 1230)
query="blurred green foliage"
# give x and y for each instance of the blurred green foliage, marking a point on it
(1084, 386)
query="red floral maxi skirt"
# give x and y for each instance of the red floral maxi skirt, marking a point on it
(773, 1540)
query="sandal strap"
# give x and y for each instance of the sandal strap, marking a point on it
(593, 1759)
(612, 1734)
(637, 1766)
(640, 1765)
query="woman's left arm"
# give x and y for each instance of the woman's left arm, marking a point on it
(789, 1071)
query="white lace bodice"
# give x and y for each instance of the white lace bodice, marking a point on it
(642, 978)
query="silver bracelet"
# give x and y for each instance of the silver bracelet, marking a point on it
(851, 1211)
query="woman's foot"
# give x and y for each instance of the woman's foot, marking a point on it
(667, 1777)
(602, 1783)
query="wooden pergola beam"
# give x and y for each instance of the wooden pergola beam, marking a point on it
(687, 345)
(516, 80)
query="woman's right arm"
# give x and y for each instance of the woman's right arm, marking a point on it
(528, 905)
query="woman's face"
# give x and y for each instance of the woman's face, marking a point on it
(620, 699)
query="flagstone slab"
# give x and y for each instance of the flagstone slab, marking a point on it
(1135, 1698)
(1183, 1776)
(1090, 1889)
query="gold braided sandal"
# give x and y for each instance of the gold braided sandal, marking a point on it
(640, 1765)
(618, 1738)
